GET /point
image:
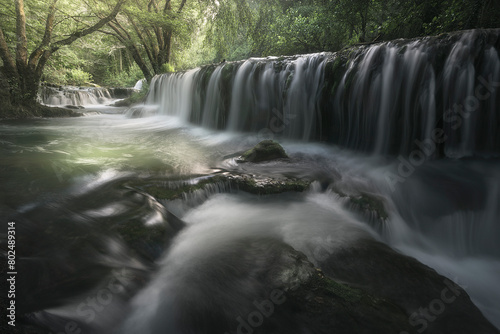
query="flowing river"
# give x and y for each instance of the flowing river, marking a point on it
(70, 184)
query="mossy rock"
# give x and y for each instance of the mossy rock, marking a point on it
(326, 306)
(246, 183)
(283, 288)
(266, 150)
(267, 186)
(370, 203)
(379, 271)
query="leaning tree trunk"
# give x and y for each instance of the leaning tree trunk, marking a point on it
(23, 71)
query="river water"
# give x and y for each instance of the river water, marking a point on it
(65, 180)
(400, 141)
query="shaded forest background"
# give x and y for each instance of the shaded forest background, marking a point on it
(117, 42)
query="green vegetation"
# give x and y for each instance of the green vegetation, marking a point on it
(370, 203)
(135, 98)
(246, 183)
(117, 42)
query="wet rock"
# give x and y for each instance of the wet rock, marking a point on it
(262, 285)
(367, 203)
(120, 93)
(267, 185)
(70, 106)
(257, 185)
(432, 302)
(266, 150)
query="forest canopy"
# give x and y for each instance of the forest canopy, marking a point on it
(117, 42)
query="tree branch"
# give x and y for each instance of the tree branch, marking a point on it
(22, 41)
(35, 55)
(8, 60)
(81, 33)
(183, 3)
(141, 38)
(168, 6)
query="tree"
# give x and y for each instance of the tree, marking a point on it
(228, 28)
(284, 28)
(153, 30)
(146, 28)
(23, 59)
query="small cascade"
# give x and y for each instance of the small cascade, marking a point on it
(139, 84)
(80, 96)
(387, 98)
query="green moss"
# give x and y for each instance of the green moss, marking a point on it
(227, 73)
(289, 80)
(270, 186)
(278, 66)
(339, 290)
(246, 183)
(333, 306)
(370, 203)
(334, 72)
(135, 98)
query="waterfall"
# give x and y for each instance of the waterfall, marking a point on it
(139, 84)
(80, 96)
(384, 98)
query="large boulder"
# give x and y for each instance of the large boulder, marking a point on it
(433, 303)
(259, 286)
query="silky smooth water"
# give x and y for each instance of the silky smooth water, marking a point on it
(445, 214)
(98, 251)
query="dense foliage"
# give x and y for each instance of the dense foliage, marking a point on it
(32, 32)
(99, 42)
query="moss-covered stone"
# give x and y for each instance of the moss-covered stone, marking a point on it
(380, 271)
(264, 151)
(246, 183)
(267, 186)
(327, 306)
(370, 203)
(135, 98)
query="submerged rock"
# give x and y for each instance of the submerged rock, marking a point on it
(264, 151)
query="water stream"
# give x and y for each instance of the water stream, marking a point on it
(69, 184)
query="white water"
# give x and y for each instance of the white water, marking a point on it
(139, 84)
(213, 239)
(380, 100)
(75, 96)
(445, 214)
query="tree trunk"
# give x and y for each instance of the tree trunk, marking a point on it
(24, 73)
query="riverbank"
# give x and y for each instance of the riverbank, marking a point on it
(38, 110)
